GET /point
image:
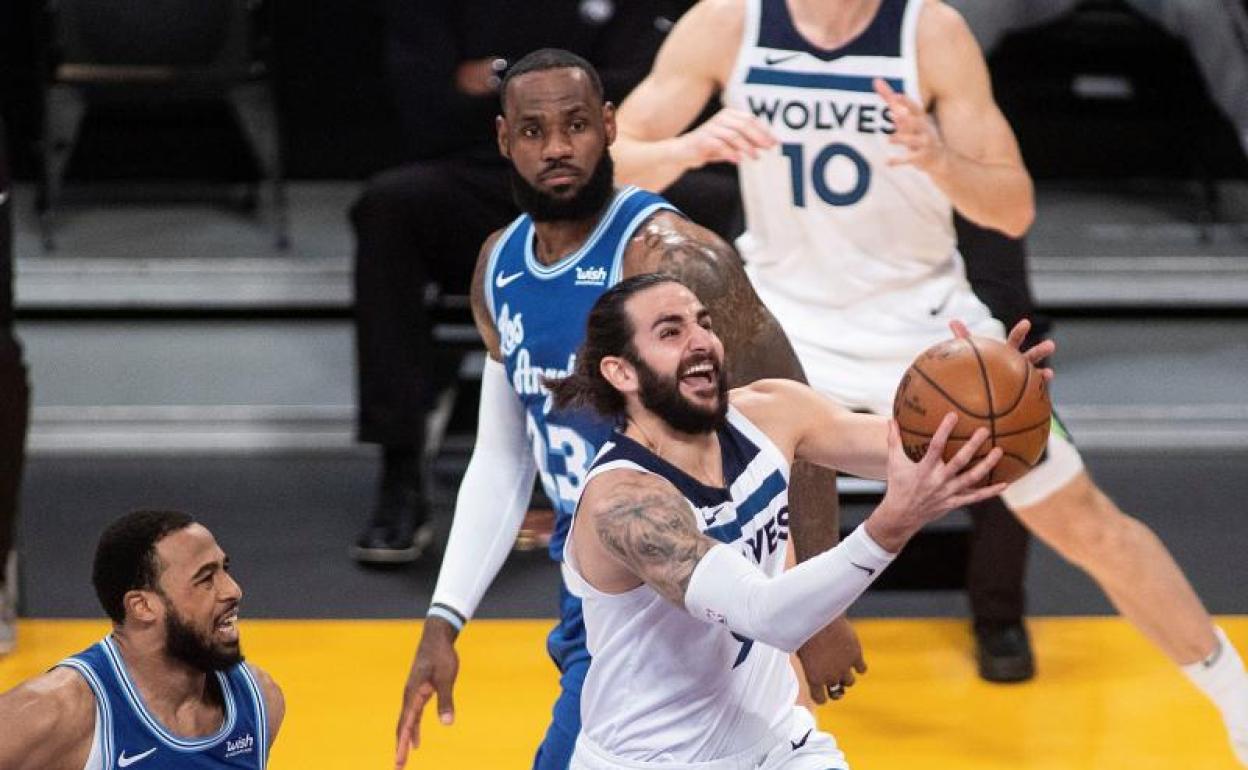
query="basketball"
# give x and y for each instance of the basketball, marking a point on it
(986, 383)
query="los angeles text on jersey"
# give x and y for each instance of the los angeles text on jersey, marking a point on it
(823, 114)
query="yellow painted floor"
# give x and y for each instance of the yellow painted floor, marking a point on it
(1104, 699)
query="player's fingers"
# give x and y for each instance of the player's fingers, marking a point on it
(936, 449)
(735, 139)
(408, 734)
(968, 450)
(751, 128)
(978, 495)
(885, 91)
(818, 693)
(959, 329)
(1040, 351)
(1018, 334)
(978, 472)
(909, 159)
(860, 665)
(1046, 373)
(848, 679)
(446, 702)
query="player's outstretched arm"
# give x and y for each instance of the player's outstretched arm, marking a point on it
(755, 348)
(489, 510)
(650, 151)
(643, 525)
(48, 723)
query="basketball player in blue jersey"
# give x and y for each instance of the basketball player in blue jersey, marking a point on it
(533, 287)
(168, 688)
(859, 126)
(677, 547)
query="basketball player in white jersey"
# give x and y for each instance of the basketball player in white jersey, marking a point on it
(167, 689)
(677, 547)
(859, 125)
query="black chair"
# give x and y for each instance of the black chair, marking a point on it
(106, 51)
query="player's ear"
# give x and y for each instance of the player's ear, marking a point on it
(504, 141)
(618, 373)
(140, 605)
(608, 122)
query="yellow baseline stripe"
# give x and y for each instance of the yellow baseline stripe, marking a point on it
(1104, 699)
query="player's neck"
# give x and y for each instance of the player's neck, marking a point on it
(832, 23)
(169, 687)
(557, 239)
(697, 454)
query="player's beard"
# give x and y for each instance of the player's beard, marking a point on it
(661, 395)
(188, 645)
(584, 203)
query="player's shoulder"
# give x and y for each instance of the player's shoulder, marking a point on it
(274, 698)
(613, 488)
(941, 25)
(723, 16)
(667, 238)
(768, 397)
(53, 714)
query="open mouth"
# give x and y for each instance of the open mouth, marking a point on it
(701, 375)
(227, 624)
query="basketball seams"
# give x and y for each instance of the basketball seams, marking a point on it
(983, 373)
(935, 386)
(1019, 431)
(1021, 392)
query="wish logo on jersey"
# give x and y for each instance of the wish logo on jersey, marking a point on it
(238, 746)
(591, 276)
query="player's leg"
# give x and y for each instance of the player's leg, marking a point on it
(996, 267)
(805, 747)
(1060, 504)
(566, 645)
(402, 244)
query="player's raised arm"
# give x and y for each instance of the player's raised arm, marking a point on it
(640, 525)
(650, 150)
(972, 154)
(489, 510)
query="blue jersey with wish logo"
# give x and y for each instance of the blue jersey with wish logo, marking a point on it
(126, 733)
(540, 313)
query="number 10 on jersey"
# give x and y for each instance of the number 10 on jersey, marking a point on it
(817, 173)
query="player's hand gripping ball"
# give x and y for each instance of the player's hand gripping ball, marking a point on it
(987, 383)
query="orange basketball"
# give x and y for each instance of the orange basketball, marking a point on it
(987, 383)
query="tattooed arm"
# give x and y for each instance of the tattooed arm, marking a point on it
(755, 348)
(633, 527)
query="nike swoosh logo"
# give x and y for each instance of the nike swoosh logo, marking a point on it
(501, 280)
(124, 761)
(867, 570)
(774, 60)
(798, 744)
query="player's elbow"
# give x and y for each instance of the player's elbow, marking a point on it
(1020, 219)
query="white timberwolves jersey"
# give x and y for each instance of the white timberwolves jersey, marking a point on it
(830, 227)
(663, 686)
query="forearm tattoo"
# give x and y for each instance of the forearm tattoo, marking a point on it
(654, 535)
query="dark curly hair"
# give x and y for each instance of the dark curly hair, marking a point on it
(126, 559)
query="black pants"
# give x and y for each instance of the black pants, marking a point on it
(997, 269)
(424, 223)
(14, 391)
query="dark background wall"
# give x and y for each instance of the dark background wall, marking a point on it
(338, 120)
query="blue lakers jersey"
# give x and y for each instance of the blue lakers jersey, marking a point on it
(540, 313)
(127, 734)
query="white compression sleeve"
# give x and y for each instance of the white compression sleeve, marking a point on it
(786, 610)
(493, 498)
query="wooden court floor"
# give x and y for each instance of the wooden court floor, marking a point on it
(1103, 700)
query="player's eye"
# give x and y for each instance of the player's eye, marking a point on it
(530, 132)
(668, 331)
(579, 125)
